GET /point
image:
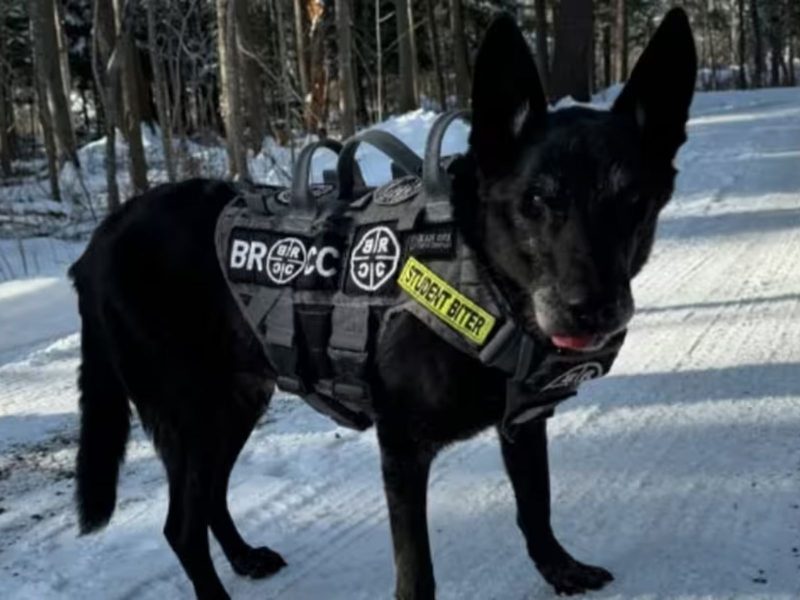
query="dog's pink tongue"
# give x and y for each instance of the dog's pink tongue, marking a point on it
(572, 342)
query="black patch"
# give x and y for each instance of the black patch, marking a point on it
(374, 260)
(398, 191)
(277, 259)
(435, 242)
(324, 263)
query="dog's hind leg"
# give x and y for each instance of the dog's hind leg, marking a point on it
(527, 465)
(245, 560)
(406, 465)
(189, 461)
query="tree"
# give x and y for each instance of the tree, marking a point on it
(542, 52)
(458, 35)
(129, 108)
(6, 118)
(742, 45)
(347, 92)
(758, 52)
(572, 57)
(406, 97)
(50, 78)
(436, 55)
(160, 91)
(106, 78)
(230, 99)
(621, 39)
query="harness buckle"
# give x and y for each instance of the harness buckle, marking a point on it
(502, 351)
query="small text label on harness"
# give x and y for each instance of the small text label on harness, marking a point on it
(575, 376)
(285, 260)
(374, 259)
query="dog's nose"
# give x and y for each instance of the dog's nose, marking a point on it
(597, 314)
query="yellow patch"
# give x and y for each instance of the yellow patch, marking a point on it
(446, 302)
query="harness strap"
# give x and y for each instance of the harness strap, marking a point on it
(434, 201)
(303, 203)
(402, 155)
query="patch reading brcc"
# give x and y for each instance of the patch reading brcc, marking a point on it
(446, 302)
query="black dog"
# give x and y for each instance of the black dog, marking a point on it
(562, 204)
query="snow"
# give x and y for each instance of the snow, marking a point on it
(680, 471)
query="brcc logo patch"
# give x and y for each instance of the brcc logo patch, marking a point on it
(374, 258)
(276, 260)
(286, 260)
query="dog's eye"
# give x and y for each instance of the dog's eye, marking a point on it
(532, 206)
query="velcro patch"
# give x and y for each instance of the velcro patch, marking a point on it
(374, 258)
(277, 260)
(436, 242)
(446, 302)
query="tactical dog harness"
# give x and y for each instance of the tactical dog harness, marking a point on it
(318, 271)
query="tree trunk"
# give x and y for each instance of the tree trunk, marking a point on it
(43, 20)
(318, 67)
(775, 35)
(129, 108)
(46, 123)
(758, 51)
(347, 94)
(621, 39)
(160, 91)
(300, 48)
(412, 42)
(229, 71)
(542, 51)
(284, 62)
(433, 36)
(406, 97)
(63, 52)
(607, 63)
(457, 31)
(572, 60)
(254, 122)
(742, 43)
(6, 122)
(222, 60)
(379, 60)
(106, 80)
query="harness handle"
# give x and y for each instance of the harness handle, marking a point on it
(403, 156)
(435, 181)
(302, 200)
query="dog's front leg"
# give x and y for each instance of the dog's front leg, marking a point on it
(527, 465)
(406, 465)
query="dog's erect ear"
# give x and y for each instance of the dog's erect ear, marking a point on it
(660, 88)
(507, 96)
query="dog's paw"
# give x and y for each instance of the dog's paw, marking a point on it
(570, 577)
(258, 563)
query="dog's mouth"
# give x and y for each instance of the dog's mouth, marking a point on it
(579, 343)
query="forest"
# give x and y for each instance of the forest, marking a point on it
(251, 76)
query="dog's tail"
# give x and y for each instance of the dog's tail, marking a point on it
(105, 424)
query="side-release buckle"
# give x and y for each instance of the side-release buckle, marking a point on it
(502, 351)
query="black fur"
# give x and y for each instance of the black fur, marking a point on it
(561, 206)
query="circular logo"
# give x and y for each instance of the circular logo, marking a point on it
(576, 376)
(374, 259)
(286, 260)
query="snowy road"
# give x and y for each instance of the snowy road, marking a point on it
(680, 472)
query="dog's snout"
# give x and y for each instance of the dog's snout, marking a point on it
(598, 312)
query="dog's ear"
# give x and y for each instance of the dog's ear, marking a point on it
(660, 88)
(507, 96)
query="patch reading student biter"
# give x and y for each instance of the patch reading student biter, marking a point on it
(446, 302)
